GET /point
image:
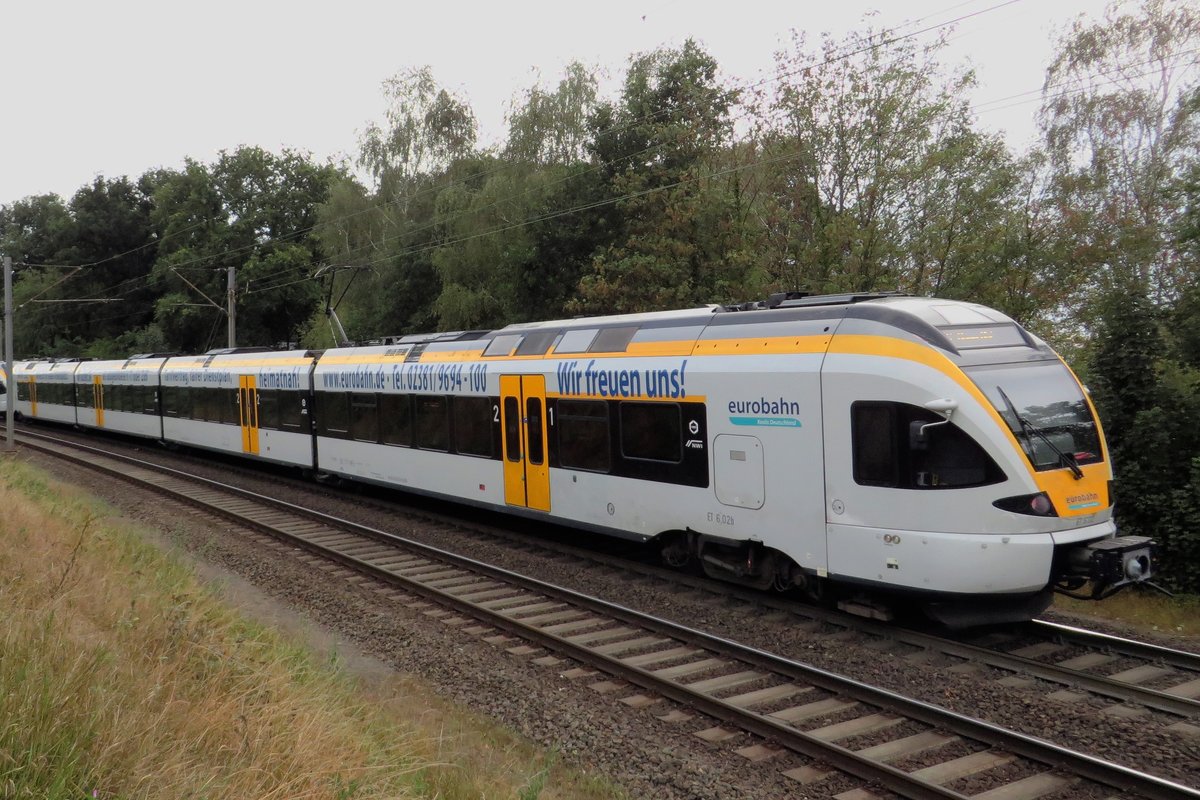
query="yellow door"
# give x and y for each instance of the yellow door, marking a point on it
(98, 399)
(32, 396)
(248, 412)
(523, 422)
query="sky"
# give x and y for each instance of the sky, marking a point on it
(119, 87)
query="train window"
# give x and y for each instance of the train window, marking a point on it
(170, 401)
(23, 391)
(583, 440)
(537, 343)
(533, 423)
(333, 413)
(473, 426)
(613, 340)
(874, 434)
(87, 396)
(887, 450)
(292, 408)
(150, 400)
(231, 408)
(576, 341)
(651, 431)
(395, 419)
(502, 345)
(432, 423)
(268, 410)
(512, 429)
(364, 417)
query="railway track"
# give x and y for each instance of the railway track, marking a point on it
(918, 750)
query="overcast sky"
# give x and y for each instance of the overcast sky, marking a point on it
(118, 87)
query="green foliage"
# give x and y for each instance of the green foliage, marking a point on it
(1148, 403)
(861, 167)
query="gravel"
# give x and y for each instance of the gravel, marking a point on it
(646, 756)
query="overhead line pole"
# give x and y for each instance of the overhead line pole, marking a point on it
(231, 306)
(10, 385)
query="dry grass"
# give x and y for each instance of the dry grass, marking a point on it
(122, 677)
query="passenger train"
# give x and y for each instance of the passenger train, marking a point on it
(858, 448)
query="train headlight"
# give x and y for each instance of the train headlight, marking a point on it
(1036, 505)
(1137, 568)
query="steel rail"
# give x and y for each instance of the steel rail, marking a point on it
(1034, 749)
(1117, 644)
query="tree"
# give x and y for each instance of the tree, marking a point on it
(1120, 130)
(552, 127)
(252, 210)
(875, 175)
(427, 127)
(659, 148)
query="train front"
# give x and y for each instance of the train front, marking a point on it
(995, 487)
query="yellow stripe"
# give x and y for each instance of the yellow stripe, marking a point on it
(364, 359)
(445, 356)
(278, 362)
(766, 345)
(1058, 484)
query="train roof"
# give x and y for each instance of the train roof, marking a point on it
(951, 325)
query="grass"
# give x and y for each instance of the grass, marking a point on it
(1142, 608)
(122, 676)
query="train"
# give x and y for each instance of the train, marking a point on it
(870, 450)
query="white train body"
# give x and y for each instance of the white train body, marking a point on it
(910, 445)
(45, 390)
(119, 396)
(251, 404)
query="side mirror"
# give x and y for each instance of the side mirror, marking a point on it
(917, 438)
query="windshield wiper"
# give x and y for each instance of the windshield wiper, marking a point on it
(1028, 428)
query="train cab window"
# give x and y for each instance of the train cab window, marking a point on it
(364, 417)
(433, 423)
(333, 413)
(512, 429)
(533, 423)
(583, 439)
(651, 431)
(395, 419)
(473, 426)
(889, 450)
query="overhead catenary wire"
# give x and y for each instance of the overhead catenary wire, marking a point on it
(596, 204)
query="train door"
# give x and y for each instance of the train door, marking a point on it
(248, 412)
(523, 422)
(32, 396)
(98, 399)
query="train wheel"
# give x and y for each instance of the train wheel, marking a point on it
(676, 551)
